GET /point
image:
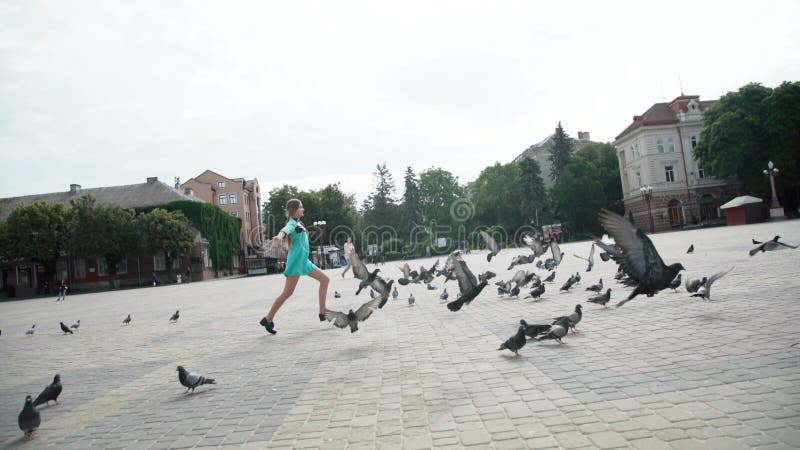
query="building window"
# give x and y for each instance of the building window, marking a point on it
(221, 184)
(24, 276)
(80, 268)
(247, 215)
(701, 173)
(639, 179)
(694, 142)
(223, 199)
(638, 155)
(660, 145)
(61, 270)
(159, 262)
(669, 173)
(102, 266)
(674, 212)
(633, 155)
(234, 213)
(232, 199)
(670, 145)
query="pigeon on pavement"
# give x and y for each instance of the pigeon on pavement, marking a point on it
(191, 380)
(444, 295)
(127, 320)
(50, 392)
(64, 328)
(431, 287)
(568, 284)
(175, 317)
(676, 283)
(494, 249)
(352, 318)
(573, 318)
(601, 299)
(557, 331)
(536, 292)
(336, 294)
(395, 294)
(596, 287)
(691, 249)
(550, 277)
(76, 325)
(31, 331)
(535, 329)
(411, 300)
(29, 419)
(639, 258)
(516, 342)
(704, 291)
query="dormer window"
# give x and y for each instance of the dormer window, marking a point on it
(221, 184)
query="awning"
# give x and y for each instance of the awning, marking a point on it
(739, 201)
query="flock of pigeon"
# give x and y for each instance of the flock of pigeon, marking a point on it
(29, 418)
(639, 267)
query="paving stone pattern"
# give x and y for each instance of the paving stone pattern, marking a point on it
(663, 372)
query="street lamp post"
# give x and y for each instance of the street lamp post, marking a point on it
(771, 171)
(647, 195)
(321, 225)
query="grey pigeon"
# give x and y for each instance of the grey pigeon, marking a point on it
(444, 295)
(50, 392)
(639, 259)
(411, 300)
(191, 380)
(351, 319)
(360, 271)
(573, 318)
(535, 245)
(431, 287)
(557, 331)
(175, 317)
(577, 277)
(383, 288)
(395, 294)
(516, 342)
(468, 286)
(31, 331)
(537, 291)
(568, 284)
(534, 329)
(76, 325)
(336, 294)
(64, 328)
(596, 287)
(704, 291)
(127, 320)
(770, 246)
(694, 284)
(372, 294)
(29, 419)
(557, 253)
(590, 259)
(427, 275)
(691, 249)
(488, 275)
(601, 299)
(676, 283)
(550, 277)
(491, 244)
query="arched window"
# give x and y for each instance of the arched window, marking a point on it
(708, 207)
(674, 211)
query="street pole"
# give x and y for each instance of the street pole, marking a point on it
(647, 193)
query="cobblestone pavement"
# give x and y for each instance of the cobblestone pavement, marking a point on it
(662, 372)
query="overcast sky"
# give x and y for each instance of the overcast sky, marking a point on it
(104, 93)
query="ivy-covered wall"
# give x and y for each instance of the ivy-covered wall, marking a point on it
(219, 228)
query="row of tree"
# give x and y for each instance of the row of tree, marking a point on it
(434, 203)
(42, 232)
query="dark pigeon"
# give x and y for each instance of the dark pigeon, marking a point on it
(467, 284)
(557, 331)
(175, 317)
(64, 328)
(676, 283)
(127, 320)
(494, 249)
(411, 300)
(568, 284)
(639, 258)
(444, 295)
(352, 318)
(691, 249)
(431, 287)
(50, 392)
(383, 288)
(537, 291)
(29, 419)
(550, 277)
(596, 287)
(601, 299)
(573, 318)
(535, 329)
(516, 342)
(770, 246)
(31, 331)
(336, 294)
(360, 271)
(192, 380)
(488, 275)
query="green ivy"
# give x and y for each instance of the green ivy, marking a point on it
(219, 228)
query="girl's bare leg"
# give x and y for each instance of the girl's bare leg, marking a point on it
(323, 288)
(288, 290)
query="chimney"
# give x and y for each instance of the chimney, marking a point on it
(152, 179)
(636, 118)
(583, 136)
(74, 188)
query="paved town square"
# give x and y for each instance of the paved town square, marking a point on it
(663, 372)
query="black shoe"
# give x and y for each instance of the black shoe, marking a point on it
(321, 317)
(270, 326)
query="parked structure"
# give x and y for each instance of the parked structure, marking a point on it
(658, 168)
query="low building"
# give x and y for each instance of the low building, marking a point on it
(25, 278)
(541, 153)
(655, 153)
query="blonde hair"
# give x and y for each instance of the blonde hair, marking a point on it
(291, 207)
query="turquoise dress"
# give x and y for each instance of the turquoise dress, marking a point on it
(297, 262)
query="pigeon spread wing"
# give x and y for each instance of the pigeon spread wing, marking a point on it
(367, 309)
(466, 280)
(338, 318)
(556, 251)
(359, 269)
(640, 260)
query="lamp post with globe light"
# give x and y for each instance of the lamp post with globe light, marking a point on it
(771, 171)
(647, 195)
(321, 225)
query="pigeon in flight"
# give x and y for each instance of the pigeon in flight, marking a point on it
(770, 246)
(536, 292)
(704, 291)
(50, 392)
(427, 275)
(557, 331)
(409, 276)
(691, 249)
(127, 320)
(372, 294)
(467, 284)
(76, 325)
(175, 317)
(516, 342)
(601, 299)
(573, 318)
(535, 329)
(29, 419)
(444, 295)
(191, 380)
(360, 271)
(639, 258)
(488, 275)
(64, 328)
(590, 259)
(694, 284)
(494, 249)
(556, 251)
(596, 287)
(384, 289)
(675, 284)
(550, 277)
(31, 331)
(535, 245)
(351, 318)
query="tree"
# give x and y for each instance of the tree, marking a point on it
(535, 205)
(380, 208)
(167, 232)
(410, 213)
(560, 153)
(497, 196)
(439, 190)
(333, 206)
(37, 232)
